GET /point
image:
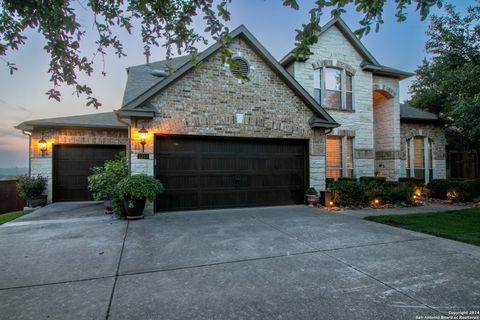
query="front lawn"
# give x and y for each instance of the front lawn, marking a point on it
(7, 217)
(461, 225)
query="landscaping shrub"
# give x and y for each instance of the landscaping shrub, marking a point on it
(31, 186)
(311, 191)
(438, 188)
(103, 179)
(379, 180)
(456, 190)
(414, 182)
(401, 193)
(329, 182)
(347, 192)
(347, 179)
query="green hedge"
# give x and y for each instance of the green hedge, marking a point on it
(414, 182)
(457, 190)
(373, 179)
(348, 192)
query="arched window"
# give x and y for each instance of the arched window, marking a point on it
(419, 158)
(333, 88)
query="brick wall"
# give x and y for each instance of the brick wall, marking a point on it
(432, 131)
(334, 49)
(206, 100)
(42, 164)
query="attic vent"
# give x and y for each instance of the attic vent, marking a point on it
(241, 68)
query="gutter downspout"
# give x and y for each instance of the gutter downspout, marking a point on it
(29, 134)
(128, 124)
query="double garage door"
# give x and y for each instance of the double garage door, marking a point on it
(200, 172)
(72, 165)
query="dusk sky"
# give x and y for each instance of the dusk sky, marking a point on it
(22, 96)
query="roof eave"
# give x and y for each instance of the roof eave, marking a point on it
(386, 71)
(411, 119)
(129, 113)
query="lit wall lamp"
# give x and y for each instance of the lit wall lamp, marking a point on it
(42, 145)
(143, 134)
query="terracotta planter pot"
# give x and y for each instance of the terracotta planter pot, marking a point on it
(40, 201)
(312, 199)
(134, 212)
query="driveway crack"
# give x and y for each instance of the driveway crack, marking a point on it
(117, 272)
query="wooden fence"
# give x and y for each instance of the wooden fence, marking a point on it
(9, 198)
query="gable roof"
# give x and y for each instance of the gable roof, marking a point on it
(135, 103)
(369, 62)
(106, 120)
(409, 113)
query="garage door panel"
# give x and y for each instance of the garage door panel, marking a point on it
(203, 172)
(72, 165)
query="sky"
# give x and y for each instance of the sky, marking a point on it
(22, 95)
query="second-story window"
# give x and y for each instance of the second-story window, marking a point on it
(333, 88)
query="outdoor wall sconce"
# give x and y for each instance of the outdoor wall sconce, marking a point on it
(143, 133)
(42, 145)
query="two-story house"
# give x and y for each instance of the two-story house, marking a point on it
(217, 141)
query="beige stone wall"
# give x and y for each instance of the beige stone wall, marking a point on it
(206, 100)
(42, 164)
(386, 123)
(334, 49)
(432, 131)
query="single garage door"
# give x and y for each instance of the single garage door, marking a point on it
(71, 167)
(200, 172)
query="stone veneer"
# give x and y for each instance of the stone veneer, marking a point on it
(205, 101)
(43, 164)
(375, 128)
(333, 49)
(436, 132)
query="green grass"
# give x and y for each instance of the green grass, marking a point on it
(7, 217)
(461, 225)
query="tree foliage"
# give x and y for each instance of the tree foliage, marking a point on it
(167, 23)
(448, 82)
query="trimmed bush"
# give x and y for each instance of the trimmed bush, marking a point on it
(438, 188)
(347, 192)
(414, 182)
(329, 182)
(31, 186)
(456, 190)
(347, 179)
(359, 193)
(379, 180)
(311, 191)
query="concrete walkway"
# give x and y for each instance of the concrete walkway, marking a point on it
(290, 262)
(429, 207)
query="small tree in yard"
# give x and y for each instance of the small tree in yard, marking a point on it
(448, 82)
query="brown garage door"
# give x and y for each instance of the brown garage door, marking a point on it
(71, 167)
(217, 173)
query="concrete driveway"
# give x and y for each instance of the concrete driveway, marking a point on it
(70, 261)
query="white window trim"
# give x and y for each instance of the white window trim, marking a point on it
(344, 166)
(343, 90)
(426, 157)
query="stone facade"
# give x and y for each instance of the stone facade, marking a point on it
(333, 49)
(207, 100)
(42, 163)
(435, 132)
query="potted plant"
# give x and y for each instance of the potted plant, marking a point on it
(135, 190)
(32, 189)
(312, 196)
(103, 180)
